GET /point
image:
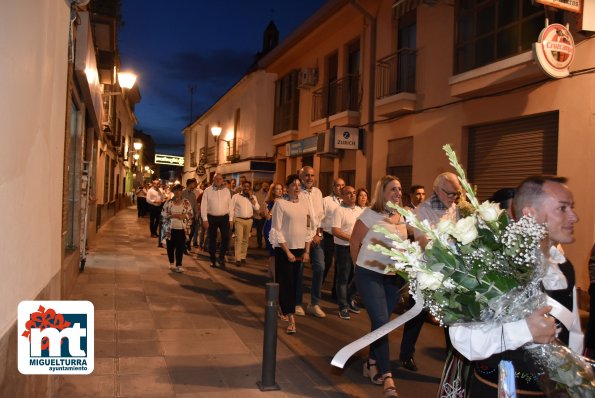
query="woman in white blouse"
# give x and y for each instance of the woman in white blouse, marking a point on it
(289, 237)
(380, 292)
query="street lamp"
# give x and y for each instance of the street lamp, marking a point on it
(136, 156)
(137, 145)
(126, 79)
(216, 131)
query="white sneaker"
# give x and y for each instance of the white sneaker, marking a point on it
(172, 267)
(179, 270)
(299, 310)
(316, 311)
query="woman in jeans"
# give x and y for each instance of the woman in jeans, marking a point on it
(289, 237)
(379, 291)
(176, 222)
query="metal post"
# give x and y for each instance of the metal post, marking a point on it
(269, 350)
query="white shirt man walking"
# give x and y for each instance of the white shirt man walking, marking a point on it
(214, 209)
(242, 208)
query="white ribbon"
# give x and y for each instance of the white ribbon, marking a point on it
(346, 352)
(572, 323)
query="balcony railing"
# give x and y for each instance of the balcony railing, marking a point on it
(339, 96)
(396, 73)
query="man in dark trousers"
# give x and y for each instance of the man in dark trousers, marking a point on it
(214, 209)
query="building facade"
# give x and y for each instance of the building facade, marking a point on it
(66, 154)
(244, 146)
(407, 77)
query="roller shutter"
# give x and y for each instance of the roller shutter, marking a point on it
(503, 154)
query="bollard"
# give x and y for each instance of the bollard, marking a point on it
(269, 349)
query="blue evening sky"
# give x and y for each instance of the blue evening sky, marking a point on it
(209, 44)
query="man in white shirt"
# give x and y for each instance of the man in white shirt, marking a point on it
(313, 197)
(214, 211)
(155, 201)
(329, 205)
(549, 201)
(242, 207)
(344, 218)
(259, 216)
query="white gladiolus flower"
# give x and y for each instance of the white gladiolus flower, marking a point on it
(489, 211)
(428, 280)
(465, 230)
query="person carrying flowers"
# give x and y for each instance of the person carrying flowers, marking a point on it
(504, 288)
(549, 201)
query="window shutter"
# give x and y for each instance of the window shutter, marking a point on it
(501, 155)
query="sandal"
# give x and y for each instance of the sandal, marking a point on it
(389, 391)
(291, 329)
(284, 318)
(371, 371)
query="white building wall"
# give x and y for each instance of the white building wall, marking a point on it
(34, 69)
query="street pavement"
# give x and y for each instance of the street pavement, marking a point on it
(200, 333)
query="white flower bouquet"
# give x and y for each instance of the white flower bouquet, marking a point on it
(485, 268)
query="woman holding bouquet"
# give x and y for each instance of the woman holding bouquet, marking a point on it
(379, 291)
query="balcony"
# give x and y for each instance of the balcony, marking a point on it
(395, 83)
(339, 96)
(207, 155)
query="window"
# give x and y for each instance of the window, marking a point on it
(491, 30)
(400, 160)
(287, 104)
(406, 46)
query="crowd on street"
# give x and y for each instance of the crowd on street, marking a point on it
(296, 224)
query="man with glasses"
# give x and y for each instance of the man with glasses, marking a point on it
(441, 205)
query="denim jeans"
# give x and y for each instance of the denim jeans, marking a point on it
(317, 261)
(343, 266)
(380, 294)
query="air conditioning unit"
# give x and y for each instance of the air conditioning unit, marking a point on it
(326, 145)
(308, 77)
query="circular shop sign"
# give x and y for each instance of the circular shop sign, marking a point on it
(554, 50)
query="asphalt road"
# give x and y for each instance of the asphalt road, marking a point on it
(317, 340)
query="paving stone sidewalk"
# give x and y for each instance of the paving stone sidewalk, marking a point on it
(161, 334)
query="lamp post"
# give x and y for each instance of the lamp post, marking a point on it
(216, 131)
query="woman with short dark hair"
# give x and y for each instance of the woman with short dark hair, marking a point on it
(176, 222)
(289, 237)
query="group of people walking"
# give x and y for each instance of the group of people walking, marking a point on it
(299, 225)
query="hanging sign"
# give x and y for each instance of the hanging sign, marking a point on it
(168, 159)
(554, 50)
(346, 137)
(566, 5)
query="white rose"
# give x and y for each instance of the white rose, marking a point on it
(445, 226)
(489, 211)
(465, 231)
(428, 280)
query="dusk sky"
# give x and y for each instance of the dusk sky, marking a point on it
(208, 44)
